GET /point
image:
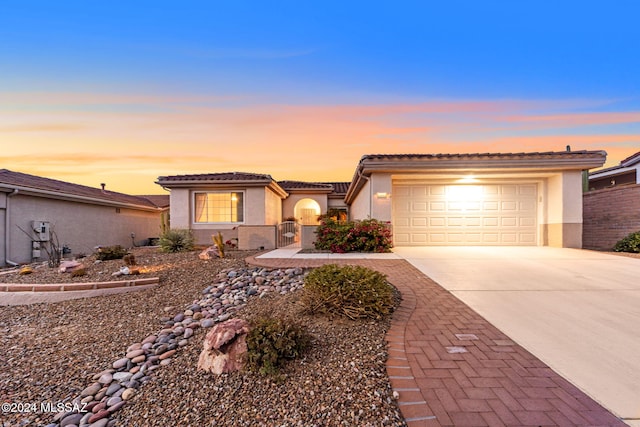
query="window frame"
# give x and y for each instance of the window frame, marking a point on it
(194, 213)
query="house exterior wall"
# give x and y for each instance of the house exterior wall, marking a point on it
(255, 206)
(562, 221)
(180, 208)
(289, 204)
(609, 215)
(273, 208)
(251, 237)
(261, 206)
(560, 210)
(361, 205)
(3, 206)
(367, 205)
(81, 226)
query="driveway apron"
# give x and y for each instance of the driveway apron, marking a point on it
(578, 311)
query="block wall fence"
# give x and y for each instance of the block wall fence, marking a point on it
(609, 215)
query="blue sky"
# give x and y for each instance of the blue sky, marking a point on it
(127, 91)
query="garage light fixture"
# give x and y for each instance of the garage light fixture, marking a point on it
(468, 180)
(383, 195)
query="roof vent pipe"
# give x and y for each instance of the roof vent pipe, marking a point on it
(568, 148)
(102, 184)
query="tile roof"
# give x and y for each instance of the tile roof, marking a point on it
(223, 176)
(334, 188)
(297, 185)
(11, 179)
(340, 187)
(160, 200)
(483, 156)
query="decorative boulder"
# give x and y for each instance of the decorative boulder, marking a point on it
(210, 252)
(225, 347)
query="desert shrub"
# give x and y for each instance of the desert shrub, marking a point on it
(176, 240)
(369, 235)
(111, 252)
(271, 341)
(351, 291)
(631, 243)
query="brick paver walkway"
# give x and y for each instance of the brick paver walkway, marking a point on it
(453, 368)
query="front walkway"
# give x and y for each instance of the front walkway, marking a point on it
(451, 367)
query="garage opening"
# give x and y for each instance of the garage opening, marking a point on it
(456, 214)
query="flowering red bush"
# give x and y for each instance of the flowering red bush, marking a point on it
(369, 235)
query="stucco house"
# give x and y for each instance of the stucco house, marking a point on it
(32, 208)
(429, 199)
(246, 206)
(627, 172)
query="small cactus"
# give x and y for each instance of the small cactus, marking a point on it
(219, 242)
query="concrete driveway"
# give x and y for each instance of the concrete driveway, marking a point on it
(578, 311)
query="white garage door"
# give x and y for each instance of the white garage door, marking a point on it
(494, 214)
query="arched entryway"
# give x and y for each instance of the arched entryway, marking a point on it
(307, 211)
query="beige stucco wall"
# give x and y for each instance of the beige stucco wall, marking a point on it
(255, 202)
(367, 205)
(562, 222)
(252, 237)
(289, 204)
(273, 208)
(361, 205)
(308, 236)
(180, 208)
(81, 226)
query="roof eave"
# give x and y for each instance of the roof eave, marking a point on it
(76, 198)
(370, 164)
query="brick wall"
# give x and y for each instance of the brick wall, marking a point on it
(609, 215)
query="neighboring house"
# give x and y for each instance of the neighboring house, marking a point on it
(439, 199)
(627, 172)
(33, 209)
(246, 206)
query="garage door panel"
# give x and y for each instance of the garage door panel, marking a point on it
(419, 207)
(490, 222)
(435, 190)
(437, 206)
(437, 221)
(494, 214)
(419, 222)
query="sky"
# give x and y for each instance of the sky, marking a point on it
(121, 92)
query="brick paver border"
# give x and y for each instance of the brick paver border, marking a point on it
(62, 287)
(450, 367)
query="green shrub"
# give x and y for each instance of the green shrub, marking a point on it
(271, 341)
(351, 291)
(631, 243)
(176, 240)
(369, 235)
(111, 252)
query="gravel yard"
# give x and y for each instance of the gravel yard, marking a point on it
(52, 351)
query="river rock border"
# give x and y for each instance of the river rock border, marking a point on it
(113, 387)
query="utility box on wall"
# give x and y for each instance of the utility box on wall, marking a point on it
(42, 230)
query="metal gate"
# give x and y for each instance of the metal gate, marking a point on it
(288, 235)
